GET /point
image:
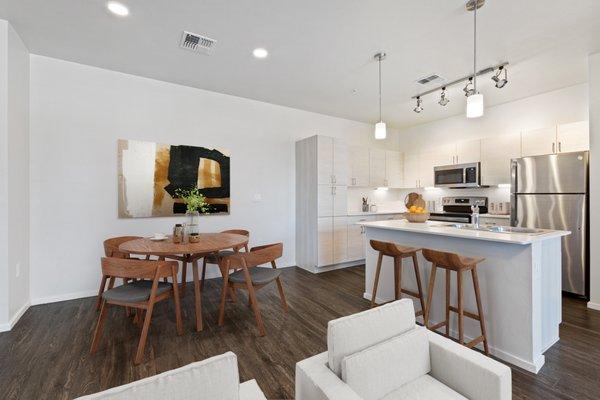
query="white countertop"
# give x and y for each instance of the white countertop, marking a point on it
(444, 229)
(387, 212)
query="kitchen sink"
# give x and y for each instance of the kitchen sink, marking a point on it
(500, 229)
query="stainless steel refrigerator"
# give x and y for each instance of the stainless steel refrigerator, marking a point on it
(551, 192)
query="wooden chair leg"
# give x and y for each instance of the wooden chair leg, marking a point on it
(376, 282)
(398, 278)
(127, 309)
(139, 356)
(448, 277)
(429, 295)
(419, 285)
(99, 327)
(459, 285)
(480, 310)
(184, 266)
(177, 302)
(280, 288)
(256, 309)
(224, 291)
(100, 291)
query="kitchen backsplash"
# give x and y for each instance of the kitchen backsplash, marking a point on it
(392, 200)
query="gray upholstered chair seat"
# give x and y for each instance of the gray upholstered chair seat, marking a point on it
(259, 276)
(215, 257)
(135, 292)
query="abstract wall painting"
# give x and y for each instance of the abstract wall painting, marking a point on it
(150, 173)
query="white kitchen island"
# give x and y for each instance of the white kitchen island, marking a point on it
(520, 283)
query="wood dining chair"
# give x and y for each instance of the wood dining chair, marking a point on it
(251, 278)
(142, 293)
(111, 249)
(215, 258)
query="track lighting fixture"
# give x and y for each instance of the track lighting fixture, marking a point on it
(443, 99)
(500, 83)
(418, 108)
(468, 89)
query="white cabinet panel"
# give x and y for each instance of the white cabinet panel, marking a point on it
(393, 169)
(324, 241)
(494, 221)
(539, 141)
(411, 170)
(340, 200)
(496, 153)
(377, 167)
(425, 170)
(340, 162)
(573, 137)
(324, 160)
(356, 238)
(468, 152)
(325, 201)
(359, 166)
(340, 239)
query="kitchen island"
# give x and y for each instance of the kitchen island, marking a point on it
(520, 283)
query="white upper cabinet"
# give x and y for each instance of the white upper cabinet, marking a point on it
(468, 152)
(496, 153)
(411, 170)
(425, 168)
(377, 167)
(573, 137)
(539, 141)
(340, 163)
(393, 169)
(325, 200)
(324, 160)
(340, 200)
(359, 166)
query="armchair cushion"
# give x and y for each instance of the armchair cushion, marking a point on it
(351, 334)
(385, 367)
(424, 388)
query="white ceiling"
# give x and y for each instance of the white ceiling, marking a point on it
(320, 52)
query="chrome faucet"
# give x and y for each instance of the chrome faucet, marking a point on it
(475, 216)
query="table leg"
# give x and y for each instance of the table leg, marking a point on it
(197, 295)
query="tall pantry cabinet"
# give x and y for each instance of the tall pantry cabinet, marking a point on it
(322, 165)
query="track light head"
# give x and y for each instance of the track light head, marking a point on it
(418, 108)
(468, 89)
(500, 83)
(443, 99)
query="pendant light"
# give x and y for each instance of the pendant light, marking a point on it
(380, 129)
(475, 101)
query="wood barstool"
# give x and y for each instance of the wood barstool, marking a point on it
(398, 253)
(454, 262)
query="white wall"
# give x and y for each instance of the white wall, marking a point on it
(14, 176)
(594, 90)
(78, 113)
(560, 106)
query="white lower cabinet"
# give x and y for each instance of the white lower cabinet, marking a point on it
(332, 241)
(340, 239)
(356, 237)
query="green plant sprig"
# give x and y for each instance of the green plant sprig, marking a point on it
(193, 199)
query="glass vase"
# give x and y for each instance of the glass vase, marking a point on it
(193, 222)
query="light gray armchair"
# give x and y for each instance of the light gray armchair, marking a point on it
(214, 378)
(381, 354)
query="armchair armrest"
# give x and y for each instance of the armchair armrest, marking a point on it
(315, 381)
(468, 372)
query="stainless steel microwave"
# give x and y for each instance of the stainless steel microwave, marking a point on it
(458, 175)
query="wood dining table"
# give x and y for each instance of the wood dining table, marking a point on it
(187, 253)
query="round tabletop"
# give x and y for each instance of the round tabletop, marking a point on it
(209, 243)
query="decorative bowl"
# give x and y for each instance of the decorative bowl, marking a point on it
(413, 217)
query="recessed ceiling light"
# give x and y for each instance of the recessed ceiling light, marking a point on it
(260, 53)
(117, 8)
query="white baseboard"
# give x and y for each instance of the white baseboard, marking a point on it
(593, 306)
(15, 318)
(64, 297)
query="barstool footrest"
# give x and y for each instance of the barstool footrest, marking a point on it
(437, 326)
(475, 342)
(465, 313)
(410, 293)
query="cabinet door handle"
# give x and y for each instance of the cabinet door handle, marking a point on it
(353, 181)
(553, 147)
(385, 182)
(332, 190)
(559, 147)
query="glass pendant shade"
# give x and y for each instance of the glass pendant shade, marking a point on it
(475, 106)
(380, 130)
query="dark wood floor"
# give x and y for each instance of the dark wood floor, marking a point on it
(46, 355)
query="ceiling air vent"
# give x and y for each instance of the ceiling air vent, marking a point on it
(197, 43)
(431, 78)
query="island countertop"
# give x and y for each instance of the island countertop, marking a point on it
(446, 229)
